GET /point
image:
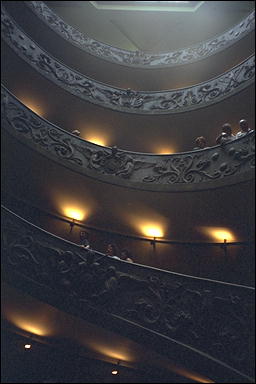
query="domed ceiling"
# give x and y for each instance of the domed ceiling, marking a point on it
(152, 31)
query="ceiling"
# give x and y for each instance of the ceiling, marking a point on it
(152, 31)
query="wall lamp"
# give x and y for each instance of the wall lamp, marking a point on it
(72, 223)
(115, 371)
(153, 243)
(224, 247)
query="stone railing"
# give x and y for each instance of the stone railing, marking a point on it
(211, 320)
(209, 168)
(142, 59)
(126, 100)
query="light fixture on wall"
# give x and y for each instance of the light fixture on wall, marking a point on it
(153, 243)
(224, 247)
(72, 223)
(73, 214)
(220, 234)
(115, 371)
(27, 346)
(155, 232)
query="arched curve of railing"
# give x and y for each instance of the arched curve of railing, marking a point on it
(126, 100)
(205, 319)
(142, 59)
(214, 167)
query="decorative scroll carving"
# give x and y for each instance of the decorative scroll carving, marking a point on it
(160, 102)
(142, 171)
(139, 58)
(209, 316)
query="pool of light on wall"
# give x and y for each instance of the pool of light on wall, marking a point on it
(74, 213)
(152, 230)
(219, 234)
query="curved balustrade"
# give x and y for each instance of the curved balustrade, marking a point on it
(126, 100)
(210, 319)
(202, 169)
(142, 59)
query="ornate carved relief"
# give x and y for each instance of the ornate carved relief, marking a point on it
(197, 169)
(209, 316)
(139, 58)
(160, 102)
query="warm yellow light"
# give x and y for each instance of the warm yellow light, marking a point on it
(152, 231)
(74, 213)
(219, 234)
(32, 105)
(28, 326)
(27, 346)
(114, 372)
(164, 151)
(96, 140)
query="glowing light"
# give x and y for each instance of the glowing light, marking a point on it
(32, 105)
(27, 346)
(219, 234)
(152, 230)
(96, 140)
(28, 326)
(74, 213)
(114, 372)
(111, 352)
(164, 151)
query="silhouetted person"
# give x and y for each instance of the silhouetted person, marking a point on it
(200, 143)
(112, 251)
(126, 255)
(226, 134)
(244, 128)
(84, 241)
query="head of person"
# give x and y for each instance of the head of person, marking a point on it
(201, 142)
(112, 249)
(244, 126)
(227, 129)
(84, 239)
(125, 253)
(76, 132)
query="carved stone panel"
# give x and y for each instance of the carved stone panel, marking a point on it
(126, 100)
(211, 317)
(202, 169)
(142, 59)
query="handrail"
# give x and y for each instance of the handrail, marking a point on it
(214, 167)
(126, 100)
(211, 319)
(140, 59)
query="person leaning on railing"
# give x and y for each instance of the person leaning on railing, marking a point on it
(126, 255)
(112, 251)
(84, 242)
(226, 134)
(244, 128)
(200, 143)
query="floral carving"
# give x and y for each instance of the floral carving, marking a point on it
(35, 130)
(140, 58)
(209, 316)
(126, 100)
(141, 170)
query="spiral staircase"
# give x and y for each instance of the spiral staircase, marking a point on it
(139, 85)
